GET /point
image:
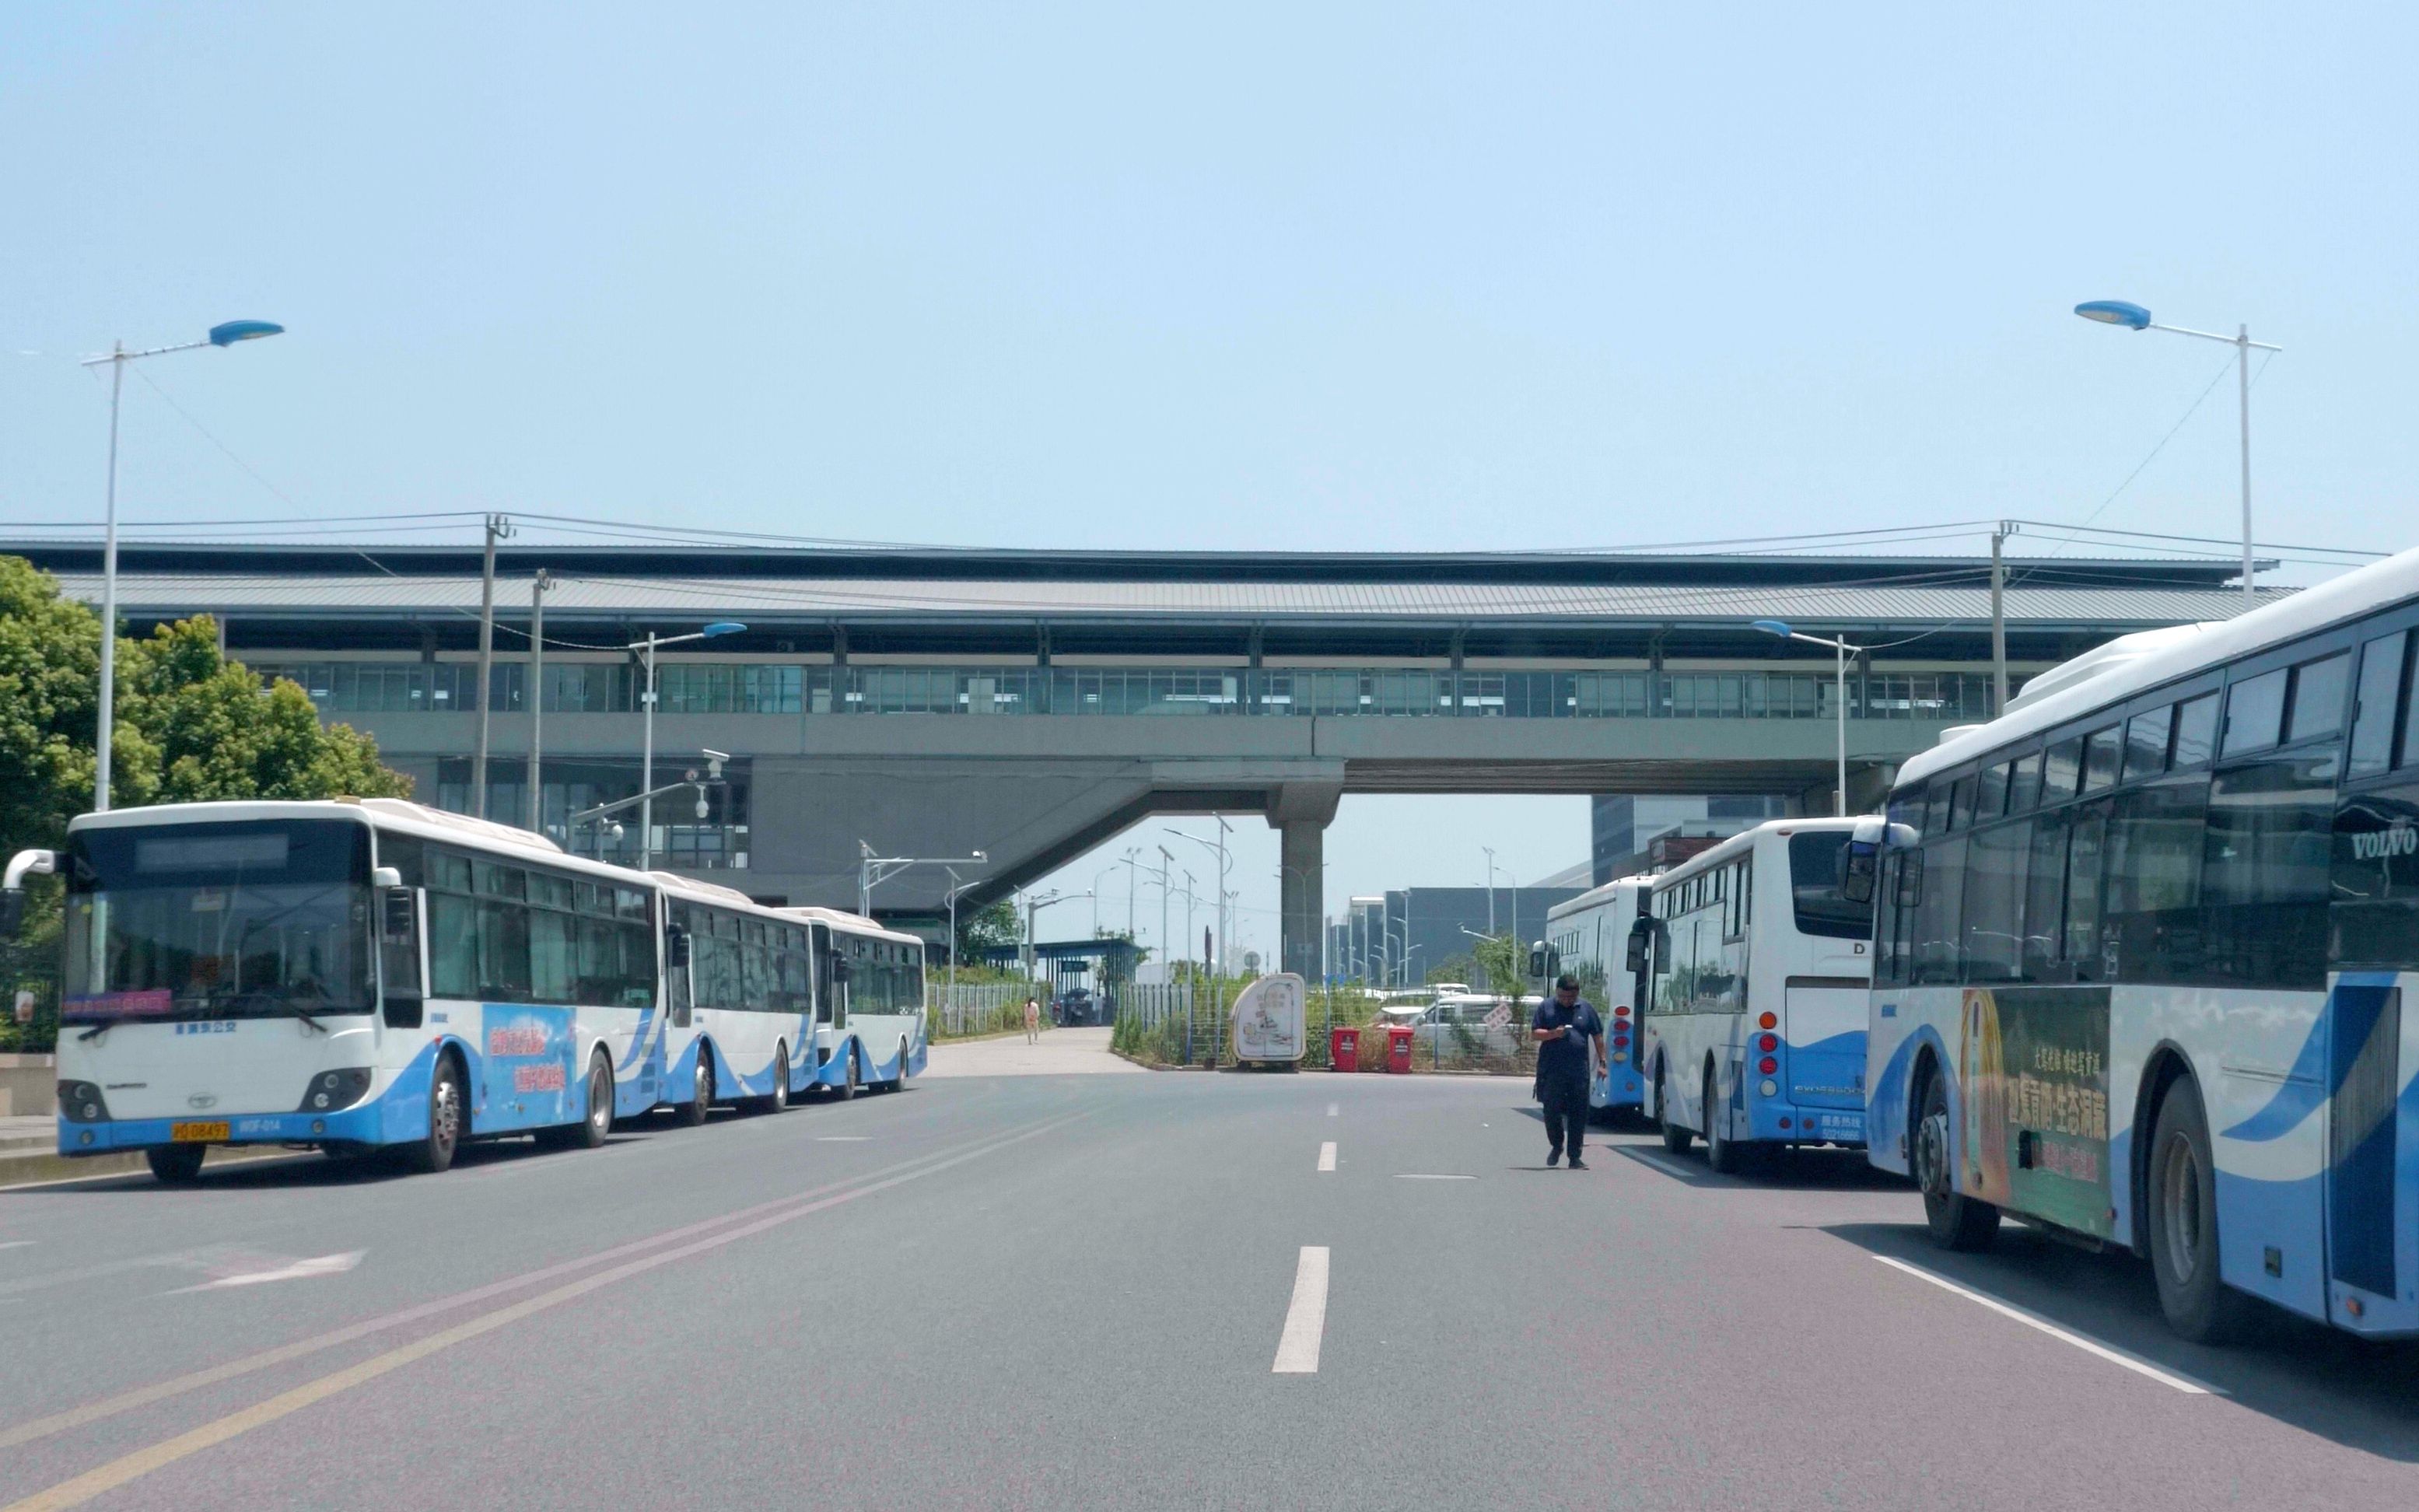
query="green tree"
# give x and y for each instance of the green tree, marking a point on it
(1505, 962)
(50, 671)
(989, 927)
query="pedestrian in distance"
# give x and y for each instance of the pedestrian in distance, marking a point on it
(1570, 1046)
(1032, 1021)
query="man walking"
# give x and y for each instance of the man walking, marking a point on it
(1570, 1044)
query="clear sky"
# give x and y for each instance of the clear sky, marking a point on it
(1323, 276)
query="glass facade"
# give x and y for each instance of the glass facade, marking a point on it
(1395, 692)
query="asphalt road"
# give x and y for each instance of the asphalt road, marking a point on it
(1054, 1290)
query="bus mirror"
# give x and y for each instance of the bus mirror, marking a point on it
(385, 876)
(1543, 960)
(398, 916)
(12, 891)
(675, 946)
(1858, 863)
(1640, 933)
(13, 913)
(839, 966)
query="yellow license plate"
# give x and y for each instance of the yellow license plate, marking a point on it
(198, 1134)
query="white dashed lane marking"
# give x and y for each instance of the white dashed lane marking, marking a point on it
(1306, 1319)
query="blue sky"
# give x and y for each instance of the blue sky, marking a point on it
(1337, 276)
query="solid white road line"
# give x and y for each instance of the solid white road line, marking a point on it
(1424, 1175)
(1326, 1156)
(15, 1244)
(1306, 1320)
(2089, 1346)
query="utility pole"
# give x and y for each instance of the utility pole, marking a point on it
(536, 695)
(1998, 620)
(1167, 965)
(498, 527)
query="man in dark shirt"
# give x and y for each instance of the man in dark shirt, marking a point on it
(1570, 1045)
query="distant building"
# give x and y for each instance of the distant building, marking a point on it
(1625, 828)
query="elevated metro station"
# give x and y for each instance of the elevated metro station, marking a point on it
(1031, 704)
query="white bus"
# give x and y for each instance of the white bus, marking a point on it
(352, 975)
(1754, 1023)
(2143, 955)
(869, 1029)
(741, 991)
(1590, 936)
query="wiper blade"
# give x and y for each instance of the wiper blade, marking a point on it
(101, 1028)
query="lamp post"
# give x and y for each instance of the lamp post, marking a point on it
(1840, 697)
(1491, 887)
(224, 335)
(647, 700)
(873, 870)
(2134, 318)
(1220, 850)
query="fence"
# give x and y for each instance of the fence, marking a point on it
(1185, 1023)
(972, 1008)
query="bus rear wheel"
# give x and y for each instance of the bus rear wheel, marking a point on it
(1956, 1222)
(1722, 1153)
(175, 1164)
(1676, 1137)
(597, 1122)
(434, 1150)
(2183, 1225)
(779, 1098)
(850, 1079)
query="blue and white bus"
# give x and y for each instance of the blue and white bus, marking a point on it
(351, 975)
(1753, 1030)
(870, 1026)
(741, 986)
(1590, 936)
(2145, 945)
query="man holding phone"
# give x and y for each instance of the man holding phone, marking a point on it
(1570, 1046)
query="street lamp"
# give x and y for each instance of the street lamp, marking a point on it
(647, 765)
(1840, 650)
(1220, 851)
(2134, 318)
(224, 335)
(873, 870)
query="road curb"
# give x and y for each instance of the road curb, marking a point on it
(21, 1166)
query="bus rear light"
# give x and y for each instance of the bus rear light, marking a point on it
(1768, 1088)
(1767, 1042)
(1768, 1021)
(1784, 1123)
(1766, 1066)
(1619, 1040)
(1621, 1012)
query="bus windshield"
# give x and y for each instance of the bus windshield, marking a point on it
(246, 920)
(1814, 882)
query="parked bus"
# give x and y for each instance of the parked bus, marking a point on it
(2144, 953)
(1590, 936)
(1753, 1029)
(354, 974)
(870, 1031)
(741, 995)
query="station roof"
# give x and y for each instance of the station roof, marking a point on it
(789, 587)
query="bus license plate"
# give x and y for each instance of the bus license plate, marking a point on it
(198, 1134)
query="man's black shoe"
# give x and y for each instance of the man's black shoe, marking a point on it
(1578, 1165)
(1553, 1158)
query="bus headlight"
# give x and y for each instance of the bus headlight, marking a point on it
(82, 1103)
(333, 1089)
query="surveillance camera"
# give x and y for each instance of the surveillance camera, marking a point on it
(617, 830)
(701, 808)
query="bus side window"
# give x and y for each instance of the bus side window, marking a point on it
(2087, 839)
(2373, 713)
(1936, 925)
(2044, 901)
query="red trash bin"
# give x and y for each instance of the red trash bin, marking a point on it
(1344, 1049)
(1398, 1048)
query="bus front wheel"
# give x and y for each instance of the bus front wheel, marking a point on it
(175, 1164)
(1956, 1222)
(1676, 1137)
(434, 1150)
(2183, 1224)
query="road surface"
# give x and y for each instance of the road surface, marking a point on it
(1054, 1290)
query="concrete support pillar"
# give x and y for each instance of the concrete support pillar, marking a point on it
(1299, 812)
(1302, 924)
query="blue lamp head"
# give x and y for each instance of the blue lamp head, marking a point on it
(1779, 627)
(2115, 313)
(229, 332)
(724, 628)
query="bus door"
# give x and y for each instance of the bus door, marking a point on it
(2372, 1053)
(831, 995)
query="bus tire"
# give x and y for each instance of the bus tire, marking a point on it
(850, 1077)
(597, 1122)
(1676, 1137)
(901, 1080)
(2182, 1217)
(176, 1164)
(1723, 1155)
(692, 1112)
(1954, 1220)
(779, 1098)
(448, 1121)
